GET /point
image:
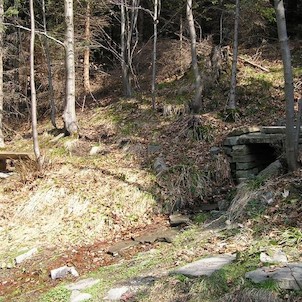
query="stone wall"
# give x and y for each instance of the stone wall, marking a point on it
(251, 149)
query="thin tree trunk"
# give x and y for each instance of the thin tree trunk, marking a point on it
(155, 22)
(87, 51)
(1, 73)
(33, 88)
(197, 102)
(69, 115)
(291, 152)
(232, 98)
(125, 66)
(48, 60)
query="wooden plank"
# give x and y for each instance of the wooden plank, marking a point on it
(15, 155)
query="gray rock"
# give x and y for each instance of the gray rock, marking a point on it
(214, 151)
(244, 130)
(77, 296)
(159, 165)
(119, 247)
(115, 294)
(205, 267)
(277, 257)
(288, 277)
(62, 272)
(26, 255)
(273, 170)
(5, 175)
(178, 219)
(82, 284)
(153, 148)
(95, 150)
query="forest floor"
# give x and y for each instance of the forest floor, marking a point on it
(82, 202)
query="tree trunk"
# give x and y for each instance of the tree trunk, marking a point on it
(87, 51)
(291, 152)
(48, 59)
(196, 102)
(1, 73)
(155, 22)
(33, 88)
(232, 98)
(124, 57)
(69, 115)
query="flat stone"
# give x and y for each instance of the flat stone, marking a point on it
(288, 277)
(159, 165)
(205, 267)
(4, 175)
(62, 272)
(273, 129)
(246, 166)
(26, 255)
(119, 247)
(241, 150)
(95, 150)
(82, 284)
(214, 151)
(77, 296)
(260, 138)
(244, 130)
(179, 219)
(246, 173)
(231, 140)
(228, 150)
(274, 169)
(276, 257)
(161, 236)
(115, 294)
(244, 158)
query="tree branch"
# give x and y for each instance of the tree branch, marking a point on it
(36, 31)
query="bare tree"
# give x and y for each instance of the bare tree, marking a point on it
(196, 103)
(69, 115)
(48, 59)
(291, 152)
(33, 87)
(232, 97)
(124, 57)
(1, 72)
(155, 22)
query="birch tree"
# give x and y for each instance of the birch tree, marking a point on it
(69, 115)
(196, 103)
(48, 60)
(1, 72)
(86, 61)
(232, 97)
(33, 87)
(155, 22)
(291, 152)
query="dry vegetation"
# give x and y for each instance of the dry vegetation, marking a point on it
(80, 198)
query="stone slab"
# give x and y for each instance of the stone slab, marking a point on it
(288, 277)
(244, 158)
(205, 267)
(26, 255)
(246, 166)
(115, 294)
(82, 284)
(244, 130)
(260, 138)
(119, 247)
(179, 219)
(241, 150)
(246, 173)
(77, 296)
(231, 140)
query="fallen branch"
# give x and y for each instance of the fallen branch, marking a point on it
(251, 63)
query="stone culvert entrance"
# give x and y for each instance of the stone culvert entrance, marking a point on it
(251, 149)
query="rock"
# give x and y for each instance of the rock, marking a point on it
(26, 255)
(95, 150)
(245, 130)
(82, 284)
(119, 247)
(178, 219)
(288, 277)
(273, 170)
(5, 175)
(159, 165)
(153, 148)
(77, 296)
(205, 267)
(62, 272)
(162, 236)
(277, 257)
(214, 151)
(115, 294)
